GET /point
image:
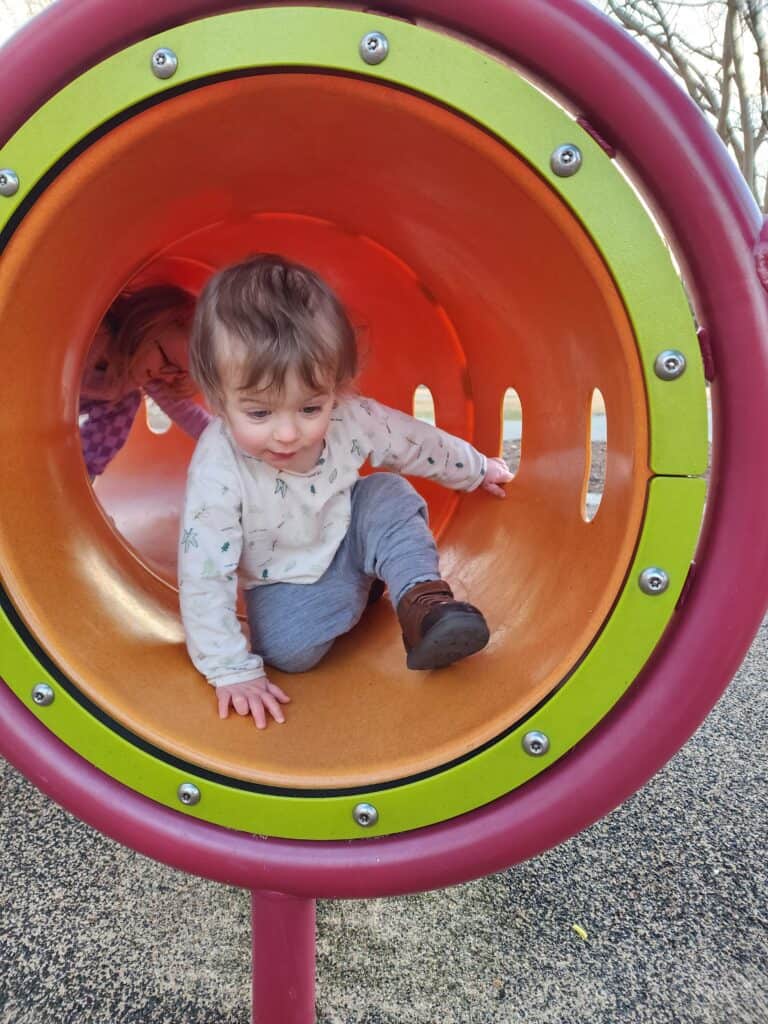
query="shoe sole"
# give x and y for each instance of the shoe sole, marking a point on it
(452, 638)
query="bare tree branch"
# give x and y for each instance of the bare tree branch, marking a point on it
(718, 49)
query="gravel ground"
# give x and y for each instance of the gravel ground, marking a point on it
(670, 890)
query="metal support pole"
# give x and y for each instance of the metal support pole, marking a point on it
(283, 958)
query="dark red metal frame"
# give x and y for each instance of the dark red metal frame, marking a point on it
(710, 217)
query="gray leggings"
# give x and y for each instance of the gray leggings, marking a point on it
(293, 625)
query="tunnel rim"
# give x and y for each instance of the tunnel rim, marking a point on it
(552, 41)
(512, 735)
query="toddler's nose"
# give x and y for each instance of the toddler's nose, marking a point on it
(285, 430)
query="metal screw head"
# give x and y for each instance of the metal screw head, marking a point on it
(670, 364)
(566, 160)
(653, 581)
(535, 743)
(164, 63)
(365, 815)
(189, 794)
(9, 182)
(43, 695)
(374, 47)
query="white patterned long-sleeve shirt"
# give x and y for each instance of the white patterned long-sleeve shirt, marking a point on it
(247, 523)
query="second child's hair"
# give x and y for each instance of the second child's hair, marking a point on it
(284, 316)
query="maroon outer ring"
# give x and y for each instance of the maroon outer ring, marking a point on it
(705, 206)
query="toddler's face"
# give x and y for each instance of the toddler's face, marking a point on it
(284, 429)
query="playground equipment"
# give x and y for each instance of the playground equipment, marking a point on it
(479, 183)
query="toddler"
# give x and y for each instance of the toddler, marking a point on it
(140, 348)
(275, 502)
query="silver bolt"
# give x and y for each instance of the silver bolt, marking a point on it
(566, 160)
(653, 581)
(535, 743)
(189, 794)
(670, 364)
(9, 182)
(365, 815)
(374, 47)
(43, 695)
(164, 63)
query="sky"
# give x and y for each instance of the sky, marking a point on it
(13, 14)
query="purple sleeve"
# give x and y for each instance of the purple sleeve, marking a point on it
(185, 413)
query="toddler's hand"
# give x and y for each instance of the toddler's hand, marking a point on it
(255, 697)
(496, 472)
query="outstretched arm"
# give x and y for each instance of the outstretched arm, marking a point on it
(413, 447)
(210, 545)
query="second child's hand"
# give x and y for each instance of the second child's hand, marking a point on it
(496, 473)
(256, 697)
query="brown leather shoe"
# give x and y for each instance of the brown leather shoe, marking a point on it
(438, 630)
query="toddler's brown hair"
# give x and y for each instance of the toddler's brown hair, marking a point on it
(282, 316)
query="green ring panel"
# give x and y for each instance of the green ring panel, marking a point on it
(496, 97)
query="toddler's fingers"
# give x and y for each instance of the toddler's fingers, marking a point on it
(223, 699)
(241, 704)
(503, 474)
(272, 707)
(277, 692)
(257, 711)
(496, 491)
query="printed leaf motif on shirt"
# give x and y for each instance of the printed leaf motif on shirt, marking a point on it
(189, 539)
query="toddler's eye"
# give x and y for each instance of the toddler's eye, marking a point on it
(258, 414)
(310, 410)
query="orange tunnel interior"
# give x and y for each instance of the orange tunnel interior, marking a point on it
(463, 271)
